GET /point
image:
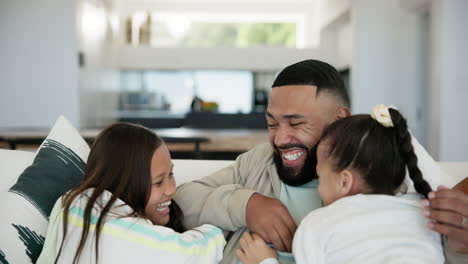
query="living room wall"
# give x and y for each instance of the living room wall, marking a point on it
(99, 80)
(386, 60)
(449, 78)
(39, 63)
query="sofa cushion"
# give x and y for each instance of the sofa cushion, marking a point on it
(22, 229)
(12, 164)
(430, 169)
(58, 166)
(191, 170)
(55, 170)
(456, 169)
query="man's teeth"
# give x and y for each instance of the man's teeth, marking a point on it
(294, 156)
(163, 206)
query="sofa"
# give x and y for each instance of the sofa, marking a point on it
(14, 162)
(27, 179)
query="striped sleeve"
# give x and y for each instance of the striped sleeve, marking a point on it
(143, 241)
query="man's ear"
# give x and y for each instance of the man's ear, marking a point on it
(346, 182)
(342, 112)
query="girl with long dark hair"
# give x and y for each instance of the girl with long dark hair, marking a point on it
(123, 209)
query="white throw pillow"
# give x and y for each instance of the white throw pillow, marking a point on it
(431, 171)
(12, 164)
(22, 230)
(58, 166)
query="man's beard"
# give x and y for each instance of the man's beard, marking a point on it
(291, 176)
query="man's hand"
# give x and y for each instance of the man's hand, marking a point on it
(253, 249)
(448, 208)
(270, 219)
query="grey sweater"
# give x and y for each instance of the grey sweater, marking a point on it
(221, 198)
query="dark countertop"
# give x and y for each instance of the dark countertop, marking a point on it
(201, 120)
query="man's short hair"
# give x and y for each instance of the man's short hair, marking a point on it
(316, 73)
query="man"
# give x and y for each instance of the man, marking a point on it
(448, 211)
(269, 189)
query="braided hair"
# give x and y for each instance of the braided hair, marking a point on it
(379, 154)
(407, 151)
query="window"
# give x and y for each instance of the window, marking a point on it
(174, 91)
(208, 30)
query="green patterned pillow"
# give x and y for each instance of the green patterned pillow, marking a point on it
(55, 170)
(58, 166)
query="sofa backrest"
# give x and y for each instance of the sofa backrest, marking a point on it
(13, 162)
(189, 170)
(458, 170)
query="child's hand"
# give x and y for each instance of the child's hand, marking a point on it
(253, 249)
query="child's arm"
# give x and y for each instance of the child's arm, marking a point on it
(253, 250)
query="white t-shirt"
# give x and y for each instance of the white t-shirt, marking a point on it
(368, 229)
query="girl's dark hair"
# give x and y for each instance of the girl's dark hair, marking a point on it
(119, 162)
(380, 154)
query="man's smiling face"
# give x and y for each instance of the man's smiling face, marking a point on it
(296, 118)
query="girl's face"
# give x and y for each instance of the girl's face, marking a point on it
(163, 187)
(329, 180)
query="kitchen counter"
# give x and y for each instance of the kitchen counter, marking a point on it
(219, 140)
